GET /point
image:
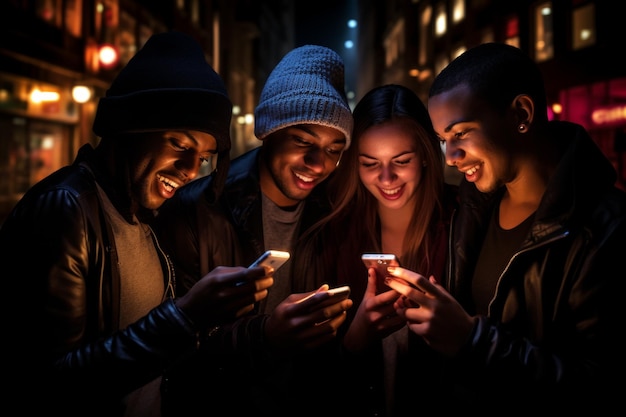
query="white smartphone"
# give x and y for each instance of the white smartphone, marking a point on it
(345, 290)
(338, 292)
(380, 261)
(271, 258)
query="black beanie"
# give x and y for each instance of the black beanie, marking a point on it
(168, 85)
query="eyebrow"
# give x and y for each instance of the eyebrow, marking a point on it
(192, 138)
(308, 130)
(455, 122)
(393, 157)
(449, 127)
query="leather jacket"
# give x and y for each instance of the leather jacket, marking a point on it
(201, 234)
(552, 338)
(63, 311)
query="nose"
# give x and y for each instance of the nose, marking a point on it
(453, 153)
(387, 174)
(189, 165)
(315, 159)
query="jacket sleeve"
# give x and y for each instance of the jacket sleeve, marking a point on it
(62, 347)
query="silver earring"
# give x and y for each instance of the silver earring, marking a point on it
(521, 128)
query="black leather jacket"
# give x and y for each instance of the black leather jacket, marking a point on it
(199, 235)
(553, 338)
(62, 303)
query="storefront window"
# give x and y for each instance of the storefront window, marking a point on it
(583, 26)
(29, 152)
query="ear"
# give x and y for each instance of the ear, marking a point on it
(524, 109)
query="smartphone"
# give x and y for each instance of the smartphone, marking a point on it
(342, 291)
(335, 293)
(272, 258)
(380, 261)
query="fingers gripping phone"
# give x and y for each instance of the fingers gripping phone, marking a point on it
(380, 261)
(271, 258)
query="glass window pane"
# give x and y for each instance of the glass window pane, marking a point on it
(584, 26)
(544, 41)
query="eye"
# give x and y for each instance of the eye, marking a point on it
(334, 151)
(368, 162)
(177, 144)
(459, 135)
(300, 142)
(180, 146)
(403, 161)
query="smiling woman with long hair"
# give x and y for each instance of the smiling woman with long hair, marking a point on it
(388, 195)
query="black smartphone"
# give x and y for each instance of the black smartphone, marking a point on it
(380, 261)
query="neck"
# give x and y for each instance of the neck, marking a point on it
(393, 226)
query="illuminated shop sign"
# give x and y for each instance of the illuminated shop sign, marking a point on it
(614, 115)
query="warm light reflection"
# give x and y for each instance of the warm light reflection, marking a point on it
(38, 96)
(440, 24)
(47, 142)
(107, 55)
(246, 119)
(557, 108)
(81, 94)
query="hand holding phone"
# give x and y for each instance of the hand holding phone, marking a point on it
(380, 262)
(271, 258)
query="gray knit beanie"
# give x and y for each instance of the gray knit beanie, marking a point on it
(306, 87)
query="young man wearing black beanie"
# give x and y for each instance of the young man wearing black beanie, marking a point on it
(92, 319)
(275, 361)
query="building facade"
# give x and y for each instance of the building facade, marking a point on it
(58, 57)
(49, 47)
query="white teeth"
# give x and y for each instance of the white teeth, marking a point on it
(169, 184)
(303, 178)
(390, 192)
(472, 171)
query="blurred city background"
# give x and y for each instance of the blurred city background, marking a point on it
(58, 57)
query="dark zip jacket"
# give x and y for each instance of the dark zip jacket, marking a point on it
(200, 234)
(553, 339)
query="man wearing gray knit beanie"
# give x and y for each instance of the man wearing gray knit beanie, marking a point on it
(273, 194)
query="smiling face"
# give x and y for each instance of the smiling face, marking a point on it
(297, 159)
(479, 142)
(163, 161)
(389, 164)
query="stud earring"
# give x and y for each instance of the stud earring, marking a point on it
(521, 128)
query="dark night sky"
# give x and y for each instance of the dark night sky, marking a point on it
(324, 22)
(321, 22)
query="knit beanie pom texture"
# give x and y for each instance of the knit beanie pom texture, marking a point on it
(306, 87)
